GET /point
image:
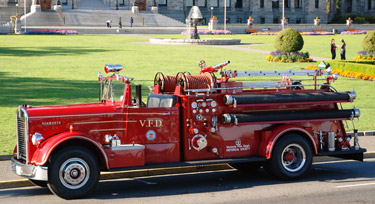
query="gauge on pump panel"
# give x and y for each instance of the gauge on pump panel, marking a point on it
(194, 105)
(204, 104)
(213, 104)
(199, 117)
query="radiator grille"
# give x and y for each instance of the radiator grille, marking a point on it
(22, 133)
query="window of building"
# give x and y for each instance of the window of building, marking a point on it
(262, 20)
(64, 2)
(349, 4)
(369, 4)
(162, 2)
(298, 20)
(189, 3)
(298, 3)
(316, 3)
(261, 3)
(239, 20)
(228, 20)
(214, 3)
(286, 3)
(238, 4)
(275, 4)
(276, 20)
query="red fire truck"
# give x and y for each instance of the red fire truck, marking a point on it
(188, 120)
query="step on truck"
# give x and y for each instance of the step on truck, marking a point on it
(278, 120)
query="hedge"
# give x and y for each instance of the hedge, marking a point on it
(352, 66)
(371, 62)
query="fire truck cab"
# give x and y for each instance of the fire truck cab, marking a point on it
(187, 120)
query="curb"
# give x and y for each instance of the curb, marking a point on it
(162, 171)
(5, 157)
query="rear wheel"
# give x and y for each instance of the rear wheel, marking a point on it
(73, 173)
(291, 158)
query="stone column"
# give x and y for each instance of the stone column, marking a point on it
(292, 6)
(267, 5)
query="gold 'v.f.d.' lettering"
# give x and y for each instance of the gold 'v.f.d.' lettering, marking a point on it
(151, 123)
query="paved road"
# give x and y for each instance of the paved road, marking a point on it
(334, 182)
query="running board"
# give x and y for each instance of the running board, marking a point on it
(195, 163)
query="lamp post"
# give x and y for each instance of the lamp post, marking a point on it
(116, 8)
(72, 4)
(17, 10)
(24, 11)
(283, 14)
(212, 12)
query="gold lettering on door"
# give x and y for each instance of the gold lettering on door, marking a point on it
(151, 123)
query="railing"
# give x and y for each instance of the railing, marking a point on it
(240, 28)
(61, 15)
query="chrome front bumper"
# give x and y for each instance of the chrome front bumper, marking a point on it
(28, 171)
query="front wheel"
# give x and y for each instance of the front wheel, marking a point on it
(291, 158)
(73, 173)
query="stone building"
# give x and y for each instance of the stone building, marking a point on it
(263, 11)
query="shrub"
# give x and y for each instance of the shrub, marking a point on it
(368, 42)
(279, 56)
(288, 40)
(344, 66)
(360, 20)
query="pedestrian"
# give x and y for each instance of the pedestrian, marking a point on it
(343, 49)
(131, 21)
(109, 24)
(120, 23)
(333, 49)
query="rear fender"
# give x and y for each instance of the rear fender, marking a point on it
(45, 149)
(269, 138)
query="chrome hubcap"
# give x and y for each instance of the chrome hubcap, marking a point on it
(293, 157)
(74, 173)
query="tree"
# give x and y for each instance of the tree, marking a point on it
(368, 42)
(288, 40)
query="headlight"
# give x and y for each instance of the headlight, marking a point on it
(37, 139)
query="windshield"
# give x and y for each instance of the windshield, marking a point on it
(111, 90)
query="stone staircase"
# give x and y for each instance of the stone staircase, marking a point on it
(85, 17)
(45, 18)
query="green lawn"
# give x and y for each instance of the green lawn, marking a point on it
(51, 70)
(316, 45)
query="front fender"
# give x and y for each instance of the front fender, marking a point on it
(269, 138)
(44, 150)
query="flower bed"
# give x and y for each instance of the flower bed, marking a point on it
(365, 55)
(354, 32)
(350, 74)
(279, 56)
(207, 32)
(51, 32)
(301, 32)
(356, 70)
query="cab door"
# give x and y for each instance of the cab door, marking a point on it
(156, 128)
